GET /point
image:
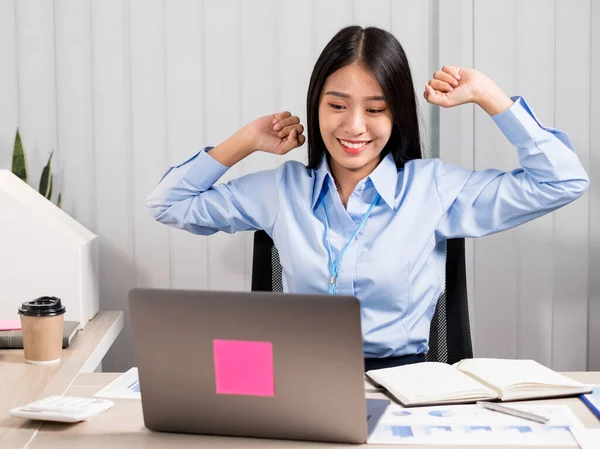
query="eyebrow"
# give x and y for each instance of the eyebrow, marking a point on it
(343, 95)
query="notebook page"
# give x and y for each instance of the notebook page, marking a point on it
(428, 381)
(504, 373)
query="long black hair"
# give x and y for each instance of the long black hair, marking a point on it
(380, 53)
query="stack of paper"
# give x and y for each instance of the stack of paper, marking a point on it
(464, 425)
(126, 386)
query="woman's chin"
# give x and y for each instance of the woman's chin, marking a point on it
(353, 162)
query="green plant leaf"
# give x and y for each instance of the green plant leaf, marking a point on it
(46, 179)
(51, 184)
(19, 164)
(59, 202)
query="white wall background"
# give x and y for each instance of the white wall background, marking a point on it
(121, 89)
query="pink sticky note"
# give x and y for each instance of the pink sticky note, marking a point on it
(244, 367)
(10, 325)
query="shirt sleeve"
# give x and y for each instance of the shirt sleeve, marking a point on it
(186, 198)
(478, 203)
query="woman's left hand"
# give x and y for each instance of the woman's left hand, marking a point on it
(452, 86)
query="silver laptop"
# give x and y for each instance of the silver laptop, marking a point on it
(256, 364)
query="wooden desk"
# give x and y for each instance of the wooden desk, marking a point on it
(123, 426)
(21, 382)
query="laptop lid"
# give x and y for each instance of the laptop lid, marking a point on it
(255, 364)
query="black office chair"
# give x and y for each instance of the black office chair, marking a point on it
(450, 332)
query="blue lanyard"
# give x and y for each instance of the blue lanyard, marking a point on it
(335, 265)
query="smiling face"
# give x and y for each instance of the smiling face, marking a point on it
(354, 120)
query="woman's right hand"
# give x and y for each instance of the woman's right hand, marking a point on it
(276, 133)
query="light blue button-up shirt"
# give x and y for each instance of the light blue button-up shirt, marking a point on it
(396, 265)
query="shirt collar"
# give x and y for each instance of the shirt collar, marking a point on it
(384, 179)
(322, 173)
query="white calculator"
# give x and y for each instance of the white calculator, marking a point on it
(62, 408)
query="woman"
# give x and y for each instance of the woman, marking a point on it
(368, 216)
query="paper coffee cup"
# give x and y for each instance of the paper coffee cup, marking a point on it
(42, 322)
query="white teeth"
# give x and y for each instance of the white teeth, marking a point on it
(354, 146)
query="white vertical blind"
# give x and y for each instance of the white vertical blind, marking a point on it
(535, 81)
(571, 223)
(36, 68)
(186, 125)
(75, 121)
(113, 155)
(224, 115)
(148, 136)
(495, 288)
(9, 105)
(594, 195)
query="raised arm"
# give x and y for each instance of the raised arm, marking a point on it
(478, 203)
(187, 198)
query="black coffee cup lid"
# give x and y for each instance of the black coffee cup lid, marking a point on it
(42, 306)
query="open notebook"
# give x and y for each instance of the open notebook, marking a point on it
(472, 380)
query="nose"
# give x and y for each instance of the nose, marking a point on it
(356, 123)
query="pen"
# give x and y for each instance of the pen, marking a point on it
(513, 412)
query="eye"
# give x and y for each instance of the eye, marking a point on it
(337, 107)
(375, 111)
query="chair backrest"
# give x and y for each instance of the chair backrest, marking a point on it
(450, 332)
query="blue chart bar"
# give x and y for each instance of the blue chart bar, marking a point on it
(436, 430)
(471, 429)
(521, 429)
(440, 413)
(402, 431)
